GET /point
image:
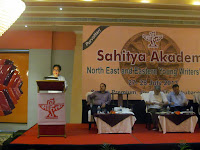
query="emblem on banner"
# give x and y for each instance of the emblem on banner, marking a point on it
(152, 38)
(144, 75)
(51, 107)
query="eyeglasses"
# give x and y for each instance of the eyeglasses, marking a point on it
(57, 70)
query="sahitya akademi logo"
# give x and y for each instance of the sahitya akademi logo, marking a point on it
(152, 38)
(152, 52)
(51, 107)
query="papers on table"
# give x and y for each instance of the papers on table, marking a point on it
(182, 112)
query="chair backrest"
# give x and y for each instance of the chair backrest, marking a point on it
(196, 98)
(145, 96)
(87, 95)
(139, 109)
(120, 100)
(87, 98)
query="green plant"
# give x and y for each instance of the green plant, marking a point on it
(184, 146)
(106, 146)
(11, 138)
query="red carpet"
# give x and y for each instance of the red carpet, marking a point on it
(155, 137)
(78, 134)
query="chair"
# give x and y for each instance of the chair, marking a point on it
(120, 100)
(139, 109)
(90, 116)
(196, 108)
(148, 119)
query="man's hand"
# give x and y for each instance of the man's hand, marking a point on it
(172, 103)
(153, 103)
(88, 103)
(186, 102)
(103, 105)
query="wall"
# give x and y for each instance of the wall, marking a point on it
(65, 59)
(63, 54)
(45, 49)
(76, 103)
(39, 67)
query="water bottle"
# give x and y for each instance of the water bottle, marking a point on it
(187, 111)
(90, 105)
(120, 109)
(98, 110)
(191, 109)
(168, 108)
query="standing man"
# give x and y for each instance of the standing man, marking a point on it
(177, 99)
(56, 74)
(155, 103)
(101, 98)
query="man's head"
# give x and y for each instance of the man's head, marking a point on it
(56, 70)
(157, 89)
(102, 87)
(175, 88)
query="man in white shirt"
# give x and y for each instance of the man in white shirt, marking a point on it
(56, 74)
(155, 103)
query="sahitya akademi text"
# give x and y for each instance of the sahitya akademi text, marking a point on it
(155, 56)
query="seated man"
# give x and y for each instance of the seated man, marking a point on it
(101, 98)
(156, 101)
(177, 99)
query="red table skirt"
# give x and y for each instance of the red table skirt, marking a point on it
(51, 130)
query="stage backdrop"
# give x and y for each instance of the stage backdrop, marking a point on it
(13, 87)
(134, 59)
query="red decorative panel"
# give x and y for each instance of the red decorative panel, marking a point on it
(10, 86)
(51, 130)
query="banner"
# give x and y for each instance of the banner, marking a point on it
(135, 59)
(51, 109)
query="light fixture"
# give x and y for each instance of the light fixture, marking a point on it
(10, 10)
(196, 3)
(145, 1)
(25, 26)
(61, 8)
(88, 0)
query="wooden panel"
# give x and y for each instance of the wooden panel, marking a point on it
(51, 130)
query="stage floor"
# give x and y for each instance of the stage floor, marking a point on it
(78, 134)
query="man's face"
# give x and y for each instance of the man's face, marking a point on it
(102, 88)
(176, 90)
(56, 71)
(156, 92)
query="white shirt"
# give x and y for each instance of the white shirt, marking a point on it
(160, 98)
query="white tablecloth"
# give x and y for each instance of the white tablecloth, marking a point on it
(186, 126)
(125, 126)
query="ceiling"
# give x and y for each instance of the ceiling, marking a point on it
(46, 14)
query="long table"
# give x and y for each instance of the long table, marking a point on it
(114, 123)
(177, 123)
